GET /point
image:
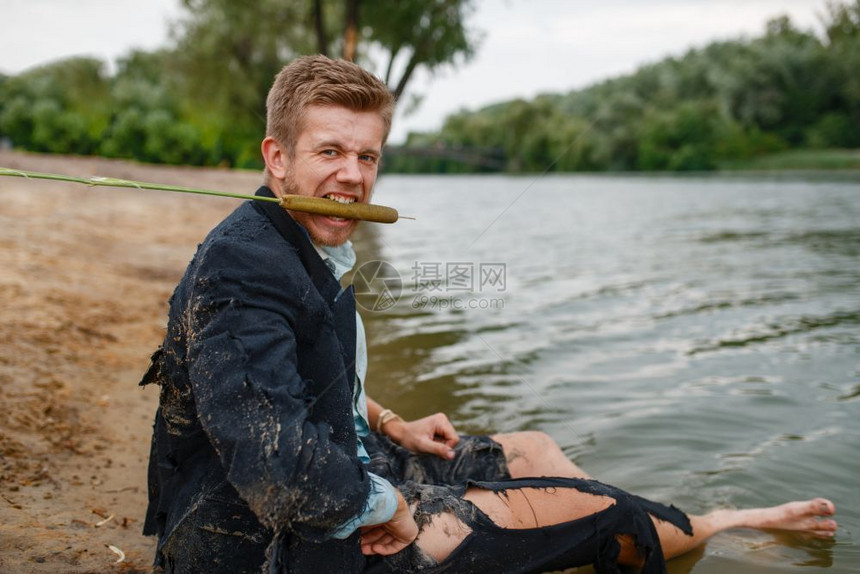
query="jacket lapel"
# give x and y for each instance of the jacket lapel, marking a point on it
(341, 302)
(321, 277)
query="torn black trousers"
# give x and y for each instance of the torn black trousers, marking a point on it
(436, 486)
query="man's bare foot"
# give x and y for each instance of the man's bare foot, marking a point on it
(807, 516)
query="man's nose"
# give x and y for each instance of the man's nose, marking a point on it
(350, 171)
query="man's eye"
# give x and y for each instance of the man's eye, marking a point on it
(367, 158)
(329, 152)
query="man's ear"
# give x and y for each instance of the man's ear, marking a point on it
(275, 157)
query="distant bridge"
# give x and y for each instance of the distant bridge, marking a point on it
(489, 158)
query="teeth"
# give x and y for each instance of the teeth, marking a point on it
(340, 199)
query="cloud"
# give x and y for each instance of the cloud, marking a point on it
(33, 32)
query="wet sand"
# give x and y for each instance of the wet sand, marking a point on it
(85, 275)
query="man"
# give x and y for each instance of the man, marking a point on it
(267, 453)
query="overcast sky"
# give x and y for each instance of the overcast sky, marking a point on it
(529, 46)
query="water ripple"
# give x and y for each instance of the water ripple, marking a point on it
(759, 301)
(852, 394)
(790, 326)
(735, 461)
(844, 242)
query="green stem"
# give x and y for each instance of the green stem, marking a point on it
(112, 182)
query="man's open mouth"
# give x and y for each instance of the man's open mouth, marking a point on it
(340, 198)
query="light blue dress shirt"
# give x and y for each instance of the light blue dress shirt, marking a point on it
(382, 500)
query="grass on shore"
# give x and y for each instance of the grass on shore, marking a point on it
(827, 159)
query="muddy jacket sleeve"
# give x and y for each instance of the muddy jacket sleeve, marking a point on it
(283, 438)
(379, 508)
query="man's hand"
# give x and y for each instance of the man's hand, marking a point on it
(431, 435)
(392, 536)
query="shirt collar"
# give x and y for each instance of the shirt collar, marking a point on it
(339, 259)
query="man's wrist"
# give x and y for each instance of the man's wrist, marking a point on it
(384, 417)
(395, 430)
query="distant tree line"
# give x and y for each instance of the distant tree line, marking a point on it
(201, 100)
(727, 102)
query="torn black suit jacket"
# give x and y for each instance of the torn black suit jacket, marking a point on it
(256, 374)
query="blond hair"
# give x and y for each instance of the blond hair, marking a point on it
(318, 80)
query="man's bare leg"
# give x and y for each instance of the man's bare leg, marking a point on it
(808, 516)
(534, 453)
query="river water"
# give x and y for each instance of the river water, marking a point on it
(693, 340)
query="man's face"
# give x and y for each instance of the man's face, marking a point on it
(336, 156)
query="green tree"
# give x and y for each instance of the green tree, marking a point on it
(428, 34)
(841, 126)
(685, 138)
(147, 122)
(228, 51)
(225, 56)
(57, 108)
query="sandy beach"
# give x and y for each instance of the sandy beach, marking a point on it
(85, 276)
